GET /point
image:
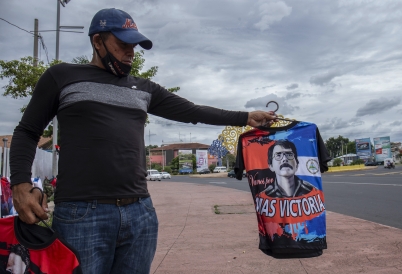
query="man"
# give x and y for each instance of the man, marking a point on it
(18, 260)
(102, 205)
(282, 159)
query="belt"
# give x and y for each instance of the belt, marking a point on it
(118, 202)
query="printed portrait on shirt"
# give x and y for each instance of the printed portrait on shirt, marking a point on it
(285, 179)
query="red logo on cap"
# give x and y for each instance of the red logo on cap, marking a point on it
(129, 24)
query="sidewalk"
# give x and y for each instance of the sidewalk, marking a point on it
(194, 239)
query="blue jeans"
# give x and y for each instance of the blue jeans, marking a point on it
(109, 238)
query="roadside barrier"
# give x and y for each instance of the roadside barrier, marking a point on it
(345, 168)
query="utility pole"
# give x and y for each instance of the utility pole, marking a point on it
(36, 42)
(55, 122)
(149, 148)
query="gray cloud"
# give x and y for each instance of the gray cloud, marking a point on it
(292, 95)
(396, 123)
(219, 51)
(292, 86)
(260, 103)
(324, 78)
(336, 123)
(271, 12)
(376, 106)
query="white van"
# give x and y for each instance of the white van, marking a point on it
(220, 169)
(153, 175)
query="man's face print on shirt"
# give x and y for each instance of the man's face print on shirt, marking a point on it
(284, 166)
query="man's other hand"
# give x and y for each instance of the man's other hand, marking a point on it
(261, 118)
(28, 205)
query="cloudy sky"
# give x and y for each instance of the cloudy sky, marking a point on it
(335, 63)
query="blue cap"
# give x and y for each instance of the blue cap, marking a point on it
(121, 24)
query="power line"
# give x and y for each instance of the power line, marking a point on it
(17, 26)
(44, 47)
(30, 32)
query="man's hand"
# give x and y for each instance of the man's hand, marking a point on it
(28, 204)
(261, 118)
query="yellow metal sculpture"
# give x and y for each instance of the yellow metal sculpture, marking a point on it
(230, 135)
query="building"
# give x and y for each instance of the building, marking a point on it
(164, 155)
(44, 143)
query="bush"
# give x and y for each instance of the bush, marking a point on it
(337, 162)
(357, 162)
(211, 167)
(168, 169)
(156, 166)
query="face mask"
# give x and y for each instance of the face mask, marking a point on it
(113, 65)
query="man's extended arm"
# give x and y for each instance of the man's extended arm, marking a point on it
(173, 107)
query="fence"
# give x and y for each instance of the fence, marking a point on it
(41, 167)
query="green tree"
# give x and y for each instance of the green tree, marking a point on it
(194, 159)
(22, 76)
(230, 158)
(174, 164)
(149, 147)
(351, 146)
(211, 167)
(335, 145)
(156, 166)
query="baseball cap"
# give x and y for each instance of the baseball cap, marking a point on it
(121, 24)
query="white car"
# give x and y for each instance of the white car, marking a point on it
(153, 175)
(165, 175)
(220, 169)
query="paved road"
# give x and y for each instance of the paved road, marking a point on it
(374, 195)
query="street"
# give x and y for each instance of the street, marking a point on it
(374, 195)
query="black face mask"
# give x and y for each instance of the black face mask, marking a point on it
(113, 65)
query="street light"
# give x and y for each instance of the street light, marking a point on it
(55, 123)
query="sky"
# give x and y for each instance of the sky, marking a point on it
(335, 63)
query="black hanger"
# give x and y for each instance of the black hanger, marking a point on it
(277, 107)
(40, 202)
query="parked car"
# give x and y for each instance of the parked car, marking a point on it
(220, 169)
(185, 171)
(153, 175)
(204, 171)
(231, 174)
(165, 175)
(369, 163)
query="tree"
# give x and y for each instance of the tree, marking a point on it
(194, 159)
(351, 147)
(336, 145)
(149, 147)
(174, 164)
(230, 158)
(23, 76)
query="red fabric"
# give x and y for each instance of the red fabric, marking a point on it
(53, 182)
(56, 257)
